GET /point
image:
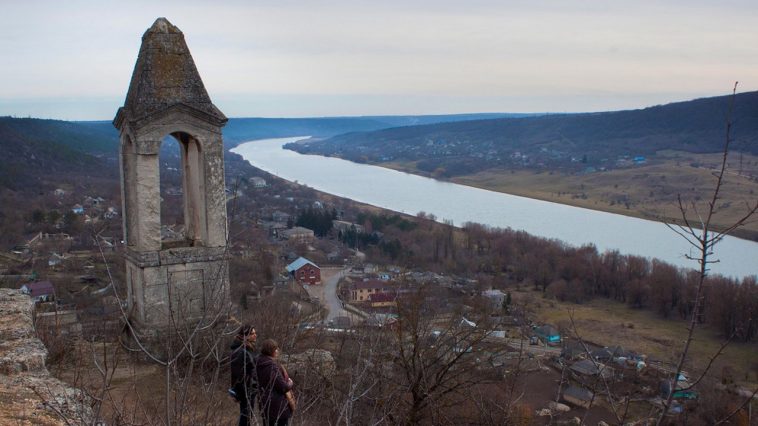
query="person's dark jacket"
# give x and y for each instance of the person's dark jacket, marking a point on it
(243, 377)
(272, 387)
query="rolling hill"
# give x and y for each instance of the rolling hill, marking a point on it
(32, 148)
(243, 129)
(571, 142)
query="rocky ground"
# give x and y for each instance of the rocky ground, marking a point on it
(29, 395)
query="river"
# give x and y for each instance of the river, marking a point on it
(407, 193)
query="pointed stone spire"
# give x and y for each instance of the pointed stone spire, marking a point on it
(165, 76)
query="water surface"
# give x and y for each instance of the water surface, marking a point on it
(407, 193)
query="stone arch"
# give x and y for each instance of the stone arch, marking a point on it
(193, 188)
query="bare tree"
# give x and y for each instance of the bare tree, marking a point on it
(439, 359)
(698, 230)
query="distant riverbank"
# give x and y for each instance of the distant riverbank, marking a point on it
(647, 192)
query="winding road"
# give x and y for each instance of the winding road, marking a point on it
(327, 294)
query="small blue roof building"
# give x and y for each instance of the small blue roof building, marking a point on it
(299, 263)
(548, 334)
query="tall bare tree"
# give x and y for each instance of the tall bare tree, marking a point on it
(698, 229)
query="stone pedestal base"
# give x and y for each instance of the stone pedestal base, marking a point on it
(176, 287)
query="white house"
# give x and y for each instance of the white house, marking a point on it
(258, 182)
(42, 291)
(496, 297)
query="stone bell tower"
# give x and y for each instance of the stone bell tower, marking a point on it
(179, 282)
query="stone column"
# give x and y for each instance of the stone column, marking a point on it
(126, 155)
(215, 198)
(147, 196)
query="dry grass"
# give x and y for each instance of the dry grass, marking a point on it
(609, 323)
(136, 391)
(648, 191)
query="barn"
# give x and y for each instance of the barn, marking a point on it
(304, 271)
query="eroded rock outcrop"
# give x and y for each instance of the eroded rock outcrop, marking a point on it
(29, 395)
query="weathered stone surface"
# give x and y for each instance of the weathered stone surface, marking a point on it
(142, 259)
(172, 283)
(29, 395)
(148, 202)
(15, 309)
(19, 355)
(20, 350)
(165, 75)
(191, 255)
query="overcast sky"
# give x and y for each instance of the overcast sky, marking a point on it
(281, 58)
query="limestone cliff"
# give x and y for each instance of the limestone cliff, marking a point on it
(29, 395)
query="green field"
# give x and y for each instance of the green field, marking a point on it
(610, 323)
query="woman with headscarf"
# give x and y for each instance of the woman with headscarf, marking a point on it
(274, 385)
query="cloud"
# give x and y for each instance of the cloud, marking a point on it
(469, 51)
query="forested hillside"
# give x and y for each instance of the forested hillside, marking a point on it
(33, 148)
(243, 129)
(556, 142)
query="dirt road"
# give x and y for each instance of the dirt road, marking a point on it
(327, 294)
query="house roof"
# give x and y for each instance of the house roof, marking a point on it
(619, 351)
(603, 354)
(298, 230)
(467, 322)
(299, 263)
(572, 350)
(585, 366)
(577, 393)
(382, 297)
(373, 283)
(547, 330)
(40, 288)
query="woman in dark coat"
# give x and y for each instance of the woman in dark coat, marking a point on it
(273, 385)
(244, 384)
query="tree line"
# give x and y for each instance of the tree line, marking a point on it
(506, 257)
(317, 219)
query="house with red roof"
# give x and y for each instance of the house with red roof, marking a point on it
(383, 300)
(304, 271)
(41, 291)
(363, 291)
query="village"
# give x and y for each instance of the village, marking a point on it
(165, 260)
(450, 156)
(334, 289)
(404, 318)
